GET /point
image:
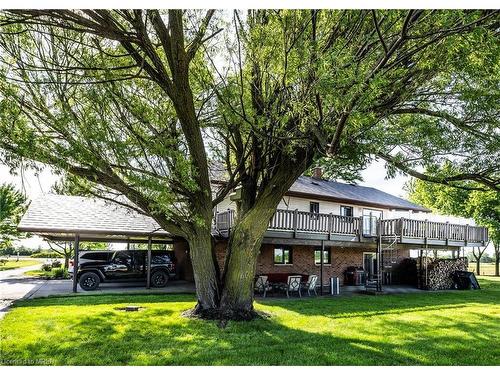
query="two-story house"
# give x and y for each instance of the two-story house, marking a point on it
(320, 227)
(323, 227)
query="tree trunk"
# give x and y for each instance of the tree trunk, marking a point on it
(497, 259)
(246, 239)
(66, 260)
(478, 268)
(497, 264)
(205, 275)
(239, 273)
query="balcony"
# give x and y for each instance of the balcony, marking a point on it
(294, 224)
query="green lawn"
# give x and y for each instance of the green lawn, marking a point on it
(487, 269)
(445, 328)
(12, 264)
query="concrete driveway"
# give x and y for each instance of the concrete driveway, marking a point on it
(65, 287)
(15, 285)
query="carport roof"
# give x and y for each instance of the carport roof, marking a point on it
(61, 217)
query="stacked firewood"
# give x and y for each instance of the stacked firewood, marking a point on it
(440, 272)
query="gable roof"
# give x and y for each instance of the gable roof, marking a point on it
(58, 215)
(340, 192)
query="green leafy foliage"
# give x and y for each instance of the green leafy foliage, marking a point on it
(12, 207)
(481, 205)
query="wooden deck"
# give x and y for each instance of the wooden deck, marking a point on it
(294, 224)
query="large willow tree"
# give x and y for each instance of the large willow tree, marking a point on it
(141, 104)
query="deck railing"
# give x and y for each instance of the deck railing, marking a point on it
(433, 230)
(302, 221)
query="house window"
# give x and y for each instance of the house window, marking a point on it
(314, 207)
(326, 256)
(283, 255)
(346, 211)
(314, 210)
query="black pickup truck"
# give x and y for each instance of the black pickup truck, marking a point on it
(96, 267)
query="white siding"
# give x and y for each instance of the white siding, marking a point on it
(302, 204)
(325, 207)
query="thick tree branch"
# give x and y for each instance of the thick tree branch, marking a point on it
(485, 180)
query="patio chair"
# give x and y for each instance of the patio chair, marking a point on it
(311, 284)
(293, 285)
(262, 285)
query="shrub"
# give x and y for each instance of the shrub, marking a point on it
(3, 262)
(46, 267)
(59, 273)
(56, 264)
(46, 254)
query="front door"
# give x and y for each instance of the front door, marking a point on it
(370, 264)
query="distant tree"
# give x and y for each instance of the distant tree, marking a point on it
(481, 205)
(12, 206)
(484, 207)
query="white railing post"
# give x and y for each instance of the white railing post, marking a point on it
(330, 223)
(426, 230)
(295, 214)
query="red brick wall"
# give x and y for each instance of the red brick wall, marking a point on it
(303, 260)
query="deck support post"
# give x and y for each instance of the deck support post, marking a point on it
(321, 267)
(148, 279)
(75, 262)
(421, 263)
(379, 256)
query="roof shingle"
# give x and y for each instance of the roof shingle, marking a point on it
(351, 193)
(52, 213)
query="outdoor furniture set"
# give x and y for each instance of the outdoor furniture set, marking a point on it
(288, 284)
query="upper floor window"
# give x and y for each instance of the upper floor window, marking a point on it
(314, 207)
(283, 255)
(346, 211)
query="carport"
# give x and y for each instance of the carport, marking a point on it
(87, 219)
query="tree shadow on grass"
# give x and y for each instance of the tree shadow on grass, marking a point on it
(158, 335)
(368, 306)
(104, 299)
(88, 330)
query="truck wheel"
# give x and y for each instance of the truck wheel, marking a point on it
(89, 281)
(159, 279)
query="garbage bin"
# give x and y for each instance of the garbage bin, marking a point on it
(334, 286)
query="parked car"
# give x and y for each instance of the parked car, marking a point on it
(96, 267)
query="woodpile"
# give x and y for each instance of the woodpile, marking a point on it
(439, 274)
